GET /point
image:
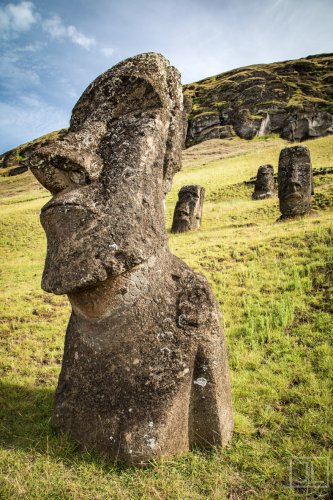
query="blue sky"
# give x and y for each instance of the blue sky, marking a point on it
(51, 50)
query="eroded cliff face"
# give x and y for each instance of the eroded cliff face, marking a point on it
(293, 99)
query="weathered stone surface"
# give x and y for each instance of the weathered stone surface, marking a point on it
(279, 98)
(265, 185)
(188, 210)
(145, 370)
(187, 104)
(201, 124)
(17, 171)
(303, 125)
(295, 181)
(16, 157)
(218, 132)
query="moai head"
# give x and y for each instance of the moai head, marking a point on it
(295, 181)
(264, 186)
(109, 174)
(188, 210)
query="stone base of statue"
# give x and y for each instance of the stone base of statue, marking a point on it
(151, 379)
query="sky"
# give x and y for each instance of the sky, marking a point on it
(51, 50)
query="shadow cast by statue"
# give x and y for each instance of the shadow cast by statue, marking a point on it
(25, 425)
(25, 415)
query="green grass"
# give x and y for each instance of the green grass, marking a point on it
(274, 284)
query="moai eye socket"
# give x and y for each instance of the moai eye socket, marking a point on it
(78, 177)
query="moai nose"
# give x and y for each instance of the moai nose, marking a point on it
(185, 208)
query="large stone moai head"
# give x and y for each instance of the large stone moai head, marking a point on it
(188, 210)
(145, 371)
(109, 174)
(264, 186)
(295, 181)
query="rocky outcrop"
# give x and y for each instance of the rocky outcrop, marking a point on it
(13, 162)
(293, 99)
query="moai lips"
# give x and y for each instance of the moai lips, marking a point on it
(145, 371)
(188, 210)
(295, 181)
(264, 186)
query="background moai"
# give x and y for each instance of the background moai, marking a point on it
(264, 186)
(188, 210)
(145, 371)
(295, 181)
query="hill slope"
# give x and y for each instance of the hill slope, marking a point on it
(274, 285)
(293, 99)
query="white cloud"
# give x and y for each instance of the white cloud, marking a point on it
(107, 51)
(57, 29)
(80, 38)
(54, 27)
(17, 18)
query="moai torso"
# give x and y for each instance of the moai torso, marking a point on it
(264, 186)
(145, 370)
(188, 211)
(295, 181)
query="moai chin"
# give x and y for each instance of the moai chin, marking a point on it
(145, 371)
(264, 186)
(188, 210)
(295, 182)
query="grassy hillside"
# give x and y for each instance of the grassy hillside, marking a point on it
(294, 83)
(274, 284)
(16, 156)
(291, 98)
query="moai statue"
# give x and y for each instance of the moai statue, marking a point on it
(145, 371)
(188, 210)
(295, 182)
(264, 186)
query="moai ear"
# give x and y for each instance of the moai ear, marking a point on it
(172, 160)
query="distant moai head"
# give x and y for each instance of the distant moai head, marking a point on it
(264, 186)
(188, 210)
(109, 174)
(295, 181)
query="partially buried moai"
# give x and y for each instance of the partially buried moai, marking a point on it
(188, 210)
(145, 371)
(295, 182)
(265, 185)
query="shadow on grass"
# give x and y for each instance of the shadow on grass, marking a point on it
(25, 424)
(25, 416)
